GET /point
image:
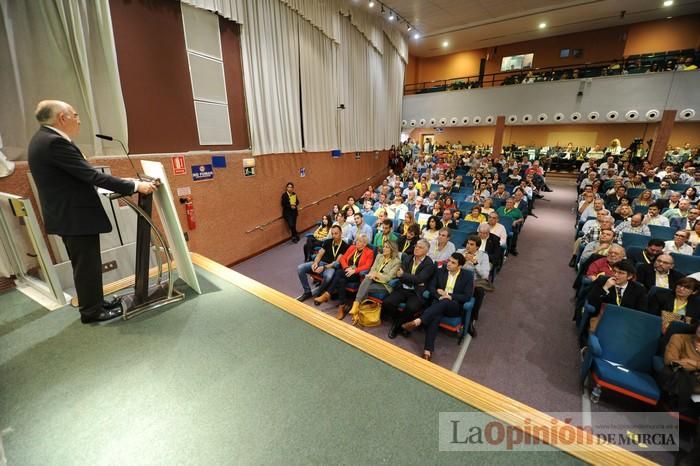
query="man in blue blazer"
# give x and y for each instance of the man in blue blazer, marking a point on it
(71, 206)
(452, 286)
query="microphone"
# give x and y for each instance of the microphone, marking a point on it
(126, 152)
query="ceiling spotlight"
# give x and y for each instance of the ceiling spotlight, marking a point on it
(669, 17)
(543, 25)
(416, 36)
(371, 4)
(445, 43)
(391, 16)
(408, 27)
(382, 9)
(668, 2)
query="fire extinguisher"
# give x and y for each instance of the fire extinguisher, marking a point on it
(189, 212)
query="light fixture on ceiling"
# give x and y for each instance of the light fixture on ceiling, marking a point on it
(543, 25)
(391, 16)
(669, 17)
(408, 27)
(445, 43)
(416, 36)
(668, 2)
(382, 12)
(371, 4)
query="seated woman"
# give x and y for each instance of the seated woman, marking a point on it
(345, 227)
(487, 208)
(407, 242)
(408, 220)
(431, 228)
(334, 211)
(682, 301)
(449, 203)
(644, 199)
(322, 232)
(694, 239)
(691, 194)
(350, 215)
(357, 259)
(378, 278)
(452, 287)
(679, 377)
(475, 215)
(437, 209)
(456, 218)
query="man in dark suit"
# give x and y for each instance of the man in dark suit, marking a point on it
(451, 286)
(414, 276)
(491, 245)
(660, 273)
(614, 199)
(70, 204)
(619, 289)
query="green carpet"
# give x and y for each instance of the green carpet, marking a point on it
(223, 378)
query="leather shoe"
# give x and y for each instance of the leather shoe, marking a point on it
(408, 326)
(394, 330)
(113, 304)
(340, 315)
(304, 296)
(427, 356)
(472, 330)
(101, 315)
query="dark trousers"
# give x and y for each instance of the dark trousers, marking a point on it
(309, 246)
(340, 282)
(291, 218)
(84, 254)
(391, 310)
(431, 319)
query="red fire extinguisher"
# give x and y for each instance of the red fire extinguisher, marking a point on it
(189, 213)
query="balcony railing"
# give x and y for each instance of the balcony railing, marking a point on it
(635, 64)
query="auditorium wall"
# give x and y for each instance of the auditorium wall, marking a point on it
(599, 45)
(581, 134)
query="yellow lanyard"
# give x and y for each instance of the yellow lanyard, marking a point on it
(386, 261)
(415, 266)
(406, 245)
(355, 256)
(677, 307)
(451, 280)
(335, 250)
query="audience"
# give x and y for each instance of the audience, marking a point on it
(678, 243)
(377, 280)
(325, 264)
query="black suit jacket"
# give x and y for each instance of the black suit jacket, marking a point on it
(494, 250)
(635, 296)
(680, 223)
(646, 275)
(662, 300)
(463, 289)
(421, 279)
(66, 184)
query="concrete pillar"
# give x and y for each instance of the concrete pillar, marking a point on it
(498, 136)
(661, 137)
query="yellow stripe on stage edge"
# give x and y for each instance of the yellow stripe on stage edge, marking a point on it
(480, 397)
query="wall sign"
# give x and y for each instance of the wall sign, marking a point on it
(248, 171)
(218, 161)
(179, 167)
(302, 172)
(202, 172)
(357, 156)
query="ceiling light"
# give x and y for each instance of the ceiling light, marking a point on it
(669, 17)
(668, 2)
(543, 25)
(382, 9)
(408, 27)
(416, 36)
(391, 16)
(445, 44)
(371, 4)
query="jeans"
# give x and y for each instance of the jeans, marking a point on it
(305, 268)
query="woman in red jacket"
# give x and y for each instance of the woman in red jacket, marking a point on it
(356, 260)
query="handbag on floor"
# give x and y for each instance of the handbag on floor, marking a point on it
(368, 314)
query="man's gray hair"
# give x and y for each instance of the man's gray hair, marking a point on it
(46, 111)
(424, 242)
(484, 227)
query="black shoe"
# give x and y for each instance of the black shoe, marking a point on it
(394, 330)
(101, 316)
(115, 303)
(472, 330)
(548, 190)
(514, 252)
(295, 239)
(572, 262)
(304, 296)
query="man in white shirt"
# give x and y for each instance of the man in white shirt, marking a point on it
(663, 192)
(360, 227)
(608, 164)
(654, 218)
(410, 189)
(441, 248)
(477, 260)
(678, 244)
(497, 229)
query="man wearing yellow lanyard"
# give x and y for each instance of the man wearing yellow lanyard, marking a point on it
(290, 210)
(452, 287)
(415, 274)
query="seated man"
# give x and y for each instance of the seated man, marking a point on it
(659, 274)
(617, 288)
(448, 219)
(325, 263)
(360, 227)
(604, 265)
(633, 225)
(653, 216)
(441, 248)
(491, 245)
(496, 228)
(385, 232)
(680, 211)
(600, 247)
(649, 254)
(414, 276)
(679, 243)
(451, 288)
(687, 222)
(509, 210)
(477, 261)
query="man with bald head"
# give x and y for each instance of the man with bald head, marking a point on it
(71, 206)
(660, 273)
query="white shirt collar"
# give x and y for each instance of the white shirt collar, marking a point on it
(60, 133)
